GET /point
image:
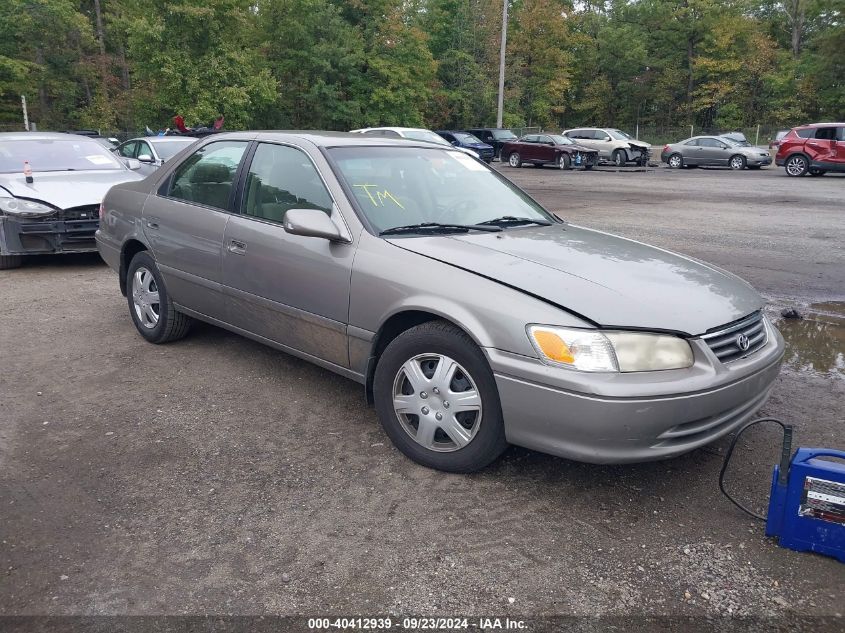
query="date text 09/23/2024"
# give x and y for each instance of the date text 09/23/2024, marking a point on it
(417, 623)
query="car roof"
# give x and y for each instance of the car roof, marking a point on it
(326, 138)
(164, 139)
(820, 125)
(394, 129)
(40, 136)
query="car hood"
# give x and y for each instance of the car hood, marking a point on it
(575, 147)
(612, 281)
(634, 143)
(66, 189)
(481, 146)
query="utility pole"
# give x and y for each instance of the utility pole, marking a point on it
(502, 63)
(25, 113)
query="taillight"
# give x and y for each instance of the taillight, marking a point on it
(665, 148)
(102, 209)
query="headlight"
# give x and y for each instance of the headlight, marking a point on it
(593, 350)
(26, 208)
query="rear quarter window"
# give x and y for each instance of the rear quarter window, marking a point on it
(805, 133)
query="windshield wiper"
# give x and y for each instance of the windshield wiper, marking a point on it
(437, 227)
(510, 220)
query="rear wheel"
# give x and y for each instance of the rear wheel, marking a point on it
(563, 161)
(676, 161)
(737, 161)
(149, 304)
(515, 160)
(797, 165)
(10, 261)
(437, 400)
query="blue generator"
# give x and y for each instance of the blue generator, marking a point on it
(807, 501)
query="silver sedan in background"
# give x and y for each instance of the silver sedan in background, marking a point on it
(473, 317)
(716, 151)
(153, 151)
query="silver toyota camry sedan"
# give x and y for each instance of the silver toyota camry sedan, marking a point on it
(473, 317)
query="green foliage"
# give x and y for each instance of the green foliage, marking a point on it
(340, 64)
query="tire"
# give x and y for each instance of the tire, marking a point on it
(515, 160)
(737, 161)
(10, 261)
(424, 350)
(619, 158)
(144, 285)
(675, 161)
(797, 165)
(588, 167)
(754, 166)
(814, 171)
(563, 161)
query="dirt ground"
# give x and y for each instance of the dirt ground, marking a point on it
(215, 475)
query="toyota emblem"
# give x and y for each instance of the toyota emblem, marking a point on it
(742, 342)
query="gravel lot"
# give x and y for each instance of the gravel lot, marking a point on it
(218, 476)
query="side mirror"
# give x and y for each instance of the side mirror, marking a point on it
(145, 158)
(132, 163)
(312, 223)
(606, 138)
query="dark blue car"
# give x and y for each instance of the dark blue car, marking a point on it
(468, 141)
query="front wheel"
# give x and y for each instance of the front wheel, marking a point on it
(10, 261)
(563, 161)
(515, 160)
(152, 312)
(737, 162)
(619, 158)
(797, 165)
(437, 399)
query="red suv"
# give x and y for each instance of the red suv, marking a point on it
(813, 149)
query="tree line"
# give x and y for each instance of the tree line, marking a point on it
(120, 65)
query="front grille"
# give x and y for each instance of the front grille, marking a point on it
(87, 212)
(738, 339)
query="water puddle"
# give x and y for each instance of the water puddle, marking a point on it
(816, 343)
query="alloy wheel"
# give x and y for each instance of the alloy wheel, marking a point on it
(145, 298)
(674, 161)
(736, 162)
(796, 166)
(437, 402)
(513, 160)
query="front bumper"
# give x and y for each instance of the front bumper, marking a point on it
(634, 417)
(69, 231)
(761, 161)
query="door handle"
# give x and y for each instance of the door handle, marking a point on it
(152, 224)
(237, 247)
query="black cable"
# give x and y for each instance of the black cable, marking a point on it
(784, 463)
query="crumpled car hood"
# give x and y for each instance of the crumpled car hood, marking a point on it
(612, 281)
(66, 189)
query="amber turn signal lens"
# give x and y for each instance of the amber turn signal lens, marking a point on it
(553, 346)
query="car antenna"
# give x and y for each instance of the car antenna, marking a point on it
(27, 172)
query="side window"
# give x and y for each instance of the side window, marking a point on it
(805, 133)
(840, 134)
(545, 139)
(373, 133)
(575, 134)
(282, 178)
(826, 133)
(127, 150)
(391, 134)
(709, 142)
(694, 142)
(207, 175)
(531, 138)
(144, 148)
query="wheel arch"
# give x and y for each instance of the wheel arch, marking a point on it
(129, 249)
(395, 325)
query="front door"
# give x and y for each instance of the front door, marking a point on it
(184, 224)
(290, 289)
(546, 149)
(713, 152)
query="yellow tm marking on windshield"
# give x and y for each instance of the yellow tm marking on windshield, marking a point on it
(380, 196)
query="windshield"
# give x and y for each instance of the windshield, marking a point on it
(425, 135)
(170, 149)
(463, 137)
(503, 135)
(397, 186)
(71, 154)
(619, 135)
(561, 140)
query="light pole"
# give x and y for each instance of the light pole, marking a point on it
(502, 62)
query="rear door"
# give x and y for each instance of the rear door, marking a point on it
(290, 289)
(822, 147)
(184, 224)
